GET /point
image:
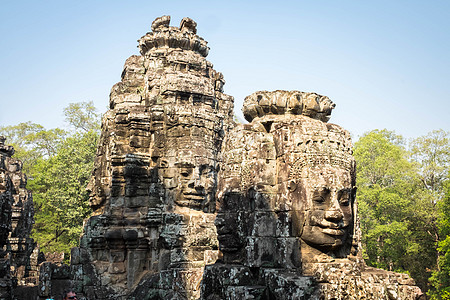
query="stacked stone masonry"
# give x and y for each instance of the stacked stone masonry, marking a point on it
(18, 252)
(286, 209)
(6, 203)
(155, 178)
(189, 205)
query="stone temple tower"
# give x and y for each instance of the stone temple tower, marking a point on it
(189, 205)
(155, 177)
(287, 218)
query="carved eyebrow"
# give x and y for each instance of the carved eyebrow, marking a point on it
(206, 167)
(320, 195)
(184, 165)
(321, 189)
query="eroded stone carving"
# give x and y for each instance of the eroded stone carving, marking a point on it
(155, 178)
(175, 181)
(279, 102)
(24, 251)
(6, 202)
(18, 254)
(287, 217)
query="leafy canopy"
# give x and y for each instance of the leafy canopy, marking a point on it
(58, 163)
(397, 211)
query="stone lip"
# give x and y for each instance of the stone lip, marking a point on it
(190, 205)
(155, 173)
(279, 102)
(165, 36)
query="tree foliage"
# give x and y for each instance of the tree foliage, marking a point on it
(32, 141)
(432, 153)
(58, 186)
(82, 116)
(59, 164)
(440, 278)
(397, 210)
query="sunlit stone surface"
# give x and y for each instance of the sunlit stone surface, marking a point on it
(189, 205)
(18, 252)
(287, 215)
(155, 178)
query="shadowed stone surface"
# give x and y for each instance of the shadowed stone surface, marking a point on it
(18, 254)
(6, 203)
(155, 179)
(188, 205)
(24, 251)
(287, 215)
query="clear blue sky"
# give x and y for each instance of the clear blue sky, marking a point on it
(386, 64)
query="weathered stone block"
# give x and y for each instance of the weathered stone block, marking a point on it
(261, 251)
(117, 268)
(289, 285)
(62, 272)
(265, 224)
(289, 254)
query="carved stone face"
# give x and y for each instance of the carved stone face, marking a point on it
(329, 206)
(196, 185)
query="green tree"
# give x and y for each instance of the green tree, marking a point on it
(59, 165)
(432, 153)
(82, 116)
(441, 276)
(395, 211)
(59, 192)
(32, 141)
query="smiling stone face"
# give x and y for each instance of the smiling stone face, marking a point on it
(196, 185)
(315, 180)
(329, 206)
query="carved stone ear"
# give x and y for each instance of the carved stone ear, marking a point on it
(292, 186)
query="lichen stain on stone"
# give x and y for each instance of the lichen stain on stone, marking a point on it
(188, 204)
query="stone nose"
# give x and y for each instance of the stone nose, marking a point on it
(198, 183)
(195, 182)
(334, 215)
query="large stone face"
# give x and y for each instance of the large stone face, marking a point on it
(188, 205)
(287, 178)
(287, 216)
(155, 179)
